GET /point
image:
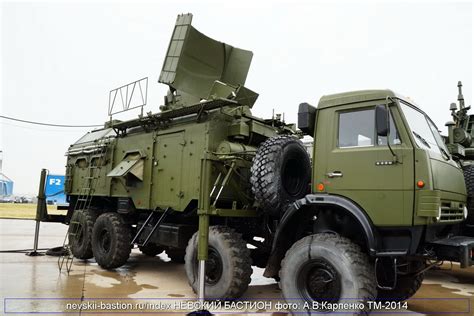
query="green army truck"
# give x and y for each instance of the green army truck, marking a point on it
(461, 147)
(221, 190)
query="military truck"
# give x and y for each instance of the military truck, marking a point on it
(460, 145)
(214, 186)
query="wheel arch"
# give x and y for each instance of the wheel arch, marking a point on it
(338, 204)
(327, 208)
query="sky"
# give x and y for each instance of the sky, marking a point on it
(60, 60)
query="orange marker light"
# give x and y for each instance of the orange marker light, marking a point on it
(420, 184)
(320, 187)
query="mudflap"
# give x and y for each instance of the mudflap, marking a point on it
(457, 249)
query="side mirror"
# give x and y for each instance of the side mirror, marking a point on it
(381, 120)
(307, 119)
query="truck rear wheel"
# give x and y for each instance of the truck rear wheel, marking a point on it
(80, 233)
(468, 171)
(405, 288)
(281, 172)
(327, 267)
(228, 267)
(151, 250)
(111, 239)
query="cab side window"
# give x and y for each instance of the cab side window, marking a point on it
(357, 128)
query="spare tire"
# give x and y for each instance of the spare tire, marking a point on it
(281, 172)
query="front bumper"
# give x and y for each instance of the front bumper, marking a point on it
(458, 249)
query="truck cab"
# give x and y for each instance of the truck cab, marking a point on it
(382, 176)
(386, 203)
(403, 176)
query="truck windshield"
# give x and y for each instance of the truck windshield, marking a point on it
(424, 131)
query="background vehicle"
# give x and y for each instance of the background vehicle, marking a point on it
(204, 178)
(459, 143)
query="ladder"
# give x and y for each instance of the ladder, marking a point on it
(150, 219)
(83, 202)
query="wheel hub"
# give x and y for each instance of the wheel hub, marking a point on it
(213, 266)
(105, 241)
(319, 281)
(293, 176)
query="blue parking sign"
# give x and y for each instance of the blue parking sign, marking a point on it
(55, 189)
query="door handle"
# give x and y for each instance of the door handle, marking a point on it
(334, 174)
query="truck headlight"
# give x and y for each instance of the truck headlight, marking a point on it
(439, 214)
(465, 211)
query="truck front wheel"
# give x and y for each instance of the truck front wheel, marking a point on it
(80, 233)
(327, 268)
(228, 267)
(111, 239)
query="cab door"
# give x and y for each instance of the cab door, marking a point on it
(361, 167)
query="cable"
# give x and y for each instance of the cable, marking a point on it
(54, 252)
(39, 128)
(45, 124)
(21, 250)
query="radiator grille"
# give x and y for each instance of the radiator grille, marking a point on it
(451, 211)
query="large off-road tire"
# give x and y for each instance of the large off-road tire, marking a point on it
(80, 233)
(176, 255)
(150, 249)
(111, 239)
(468, 171)
(405, 288)
(327, 267)
(228, 267)
(281, 172)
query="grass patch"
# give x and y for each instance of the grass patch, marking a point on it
(24, 211)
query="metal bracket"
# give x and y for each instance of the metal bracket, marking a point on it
(125, 94)
(394, 285)
(223, 184)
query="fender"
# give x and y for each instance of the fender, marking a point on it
(327, 199)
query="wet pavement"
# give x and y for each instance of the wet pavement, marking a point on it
(156, 285)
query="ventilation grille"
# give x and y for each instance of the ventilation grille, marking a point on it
(451, 211)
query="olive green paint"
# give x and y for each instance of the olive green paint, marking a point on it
(388, 193)
(182, 153)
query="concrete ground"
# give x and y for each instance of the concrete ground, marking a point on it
(155, 285)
